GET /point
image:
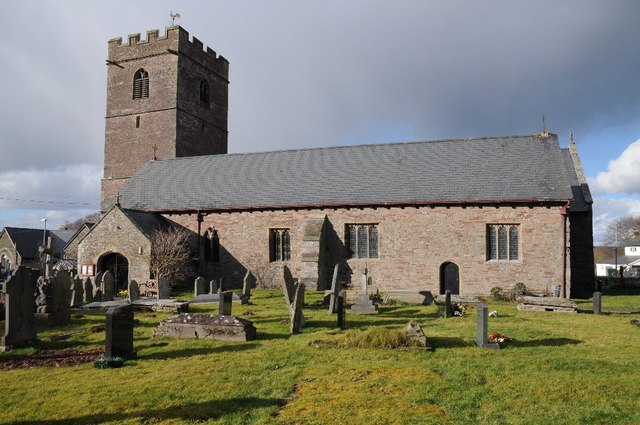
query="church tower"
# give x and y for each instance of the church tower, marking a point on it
(166, 97)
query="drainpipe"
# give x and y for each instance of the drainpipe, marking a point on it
(199, 218)
(564, 213)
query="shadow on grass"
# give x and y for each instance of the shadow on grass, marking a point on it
(188, 352)
(546, 342)
(192, 412)
(448, 342)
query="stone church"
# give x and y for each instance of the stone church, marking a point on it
(465, 215)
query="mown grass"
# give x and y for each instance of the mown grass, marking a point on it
(560, 368)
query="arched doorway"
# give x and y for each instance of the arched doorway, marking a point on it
(449, 278)
(118, 265)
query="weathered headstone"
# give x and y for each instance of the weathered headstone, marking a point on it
(52, 306)
(416, 334)
(164, 289)
(340, 310)
(119, 332)
(108, 286)
(199, 286)
(597, 303)
(288, 285)
(98, 289)
(77, 294)
(88, 291)
(334, 291)
(297, 319)
(133, 290)
(221, 283)
(19, 322)
(197, 326)
(248, 282)
(482, 336)
(65, 282)
(213, 287)
(225, 301)
(448, 308)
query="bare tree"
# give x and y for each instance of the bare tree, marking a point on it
(620, 232)
(171, 255)
(76, 224)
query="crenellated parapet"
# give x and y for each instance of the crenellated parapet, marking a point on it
(175, 40)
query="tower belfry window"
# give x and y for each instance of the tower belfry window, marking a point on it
(141, 84)
(204, 94)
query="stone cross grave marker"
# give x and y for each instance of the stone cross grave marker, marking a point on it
(248, 282)
(19, 323)
(333, 297)
(297, 319)
(119, 332)
(341, 310)
(88, 291)
(164, 288)
(108, 286)
(133, 290)
(77, 294)
(597, 303)
(199, 286)
(225, 301)
(482, 337)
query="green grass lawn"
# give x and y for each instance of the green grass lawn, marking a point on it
(559, 369)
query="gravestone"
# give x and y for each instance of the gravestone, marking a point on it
(416, 334)
(204, 326)
(164, 289)
(199, 286)
(248, 282)
(597, 303)
(364, 304)
(221, 283)
(98, 289)
(288, 285)
(77, 294)
(448, 309)
(482, 336)
(19, 323)
(52, 306)
(213, 287)
(297, 319)
(340, 304)
(119, 332)
(134, 291)
(334, 291)
(555, 304)
(65, 283)
(108, 286)
(88, 291)
(225, 301)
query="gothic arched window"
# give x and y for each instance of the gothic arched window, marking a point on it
(205, 95)
(141, 84)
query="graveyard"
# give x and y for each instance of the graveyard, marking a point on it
(558, 367)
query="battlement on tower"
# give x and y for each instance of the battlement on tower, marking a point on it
(174, 40)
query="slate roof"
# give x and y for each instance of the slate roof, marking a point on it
(483, 170)
(28, 240)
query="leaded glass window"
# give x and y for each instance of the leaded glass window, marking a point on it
(503, 242)
(280, 245)
(362, 240)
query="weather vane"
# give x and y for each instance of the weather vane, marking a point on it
(173, 17)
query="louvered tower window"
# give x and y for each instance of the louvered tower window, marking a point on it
(141, 84)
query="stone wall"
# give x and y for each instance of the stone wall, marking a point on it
(9, 250)
(413, 245)
(115, 233)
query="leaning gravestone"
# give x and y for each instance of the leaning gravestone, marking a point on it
(248, 282)
(334, 291)
(133, 291)
(297, 319)
(108, 286)
(119, 332)
(199, 286)
(225, 301)
(288, 285)
(88, 291)
(77, 294)
(52, 307)
(164, 289)
(19, 322)
(98, 290)
(482, 337)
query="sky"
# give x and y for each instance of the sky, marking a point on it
(329, 73)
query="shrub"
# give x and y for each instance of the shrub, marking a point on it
(498, 294)
(520, 289)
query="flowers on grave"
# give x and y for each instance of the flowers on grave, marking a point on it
(498, 337)
(458, 309)
(493, 313)
(123, 294)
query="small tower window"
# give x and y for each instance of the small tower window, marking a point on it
(138, 121)
(204, 94)
(141, 84)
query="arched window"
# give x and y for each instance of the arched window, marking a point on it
(204, 93)
(141, 84)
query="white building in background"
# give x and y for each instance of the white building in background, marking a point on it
(630, 262)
